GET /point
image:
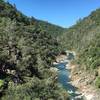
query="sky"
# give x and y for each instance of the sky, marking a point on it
(64, 13)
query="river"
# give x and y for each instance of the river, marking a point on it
(64, 78)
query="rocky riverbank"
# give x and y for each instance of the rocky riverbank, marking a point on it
(82, 80)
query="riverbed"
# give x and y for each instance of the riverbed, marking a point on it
(64, 78)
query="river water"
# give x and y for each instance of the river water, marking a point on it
(64, 78)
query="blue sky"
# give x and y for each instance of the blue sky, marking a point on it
(60, 12)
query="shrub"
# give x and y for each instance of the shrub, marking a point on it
(97, 82)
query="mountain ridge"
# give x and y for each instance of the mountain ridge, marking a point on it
(84, 39)
(26, 55)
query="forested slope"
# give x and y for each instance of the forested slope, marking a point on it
(84, 38)
(26, 54)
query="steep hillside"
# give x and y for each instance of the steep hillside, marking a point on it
(26, 55)
(83, 32)
(50, 28)
(12, 12)
(84, 38)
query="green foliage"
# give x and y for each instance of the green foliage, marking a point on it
(25, 91)
(51, 29)
(84, 38)
(1, 83)
(27, 50)
(97, 82)
(80, 35)
(1, 0)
